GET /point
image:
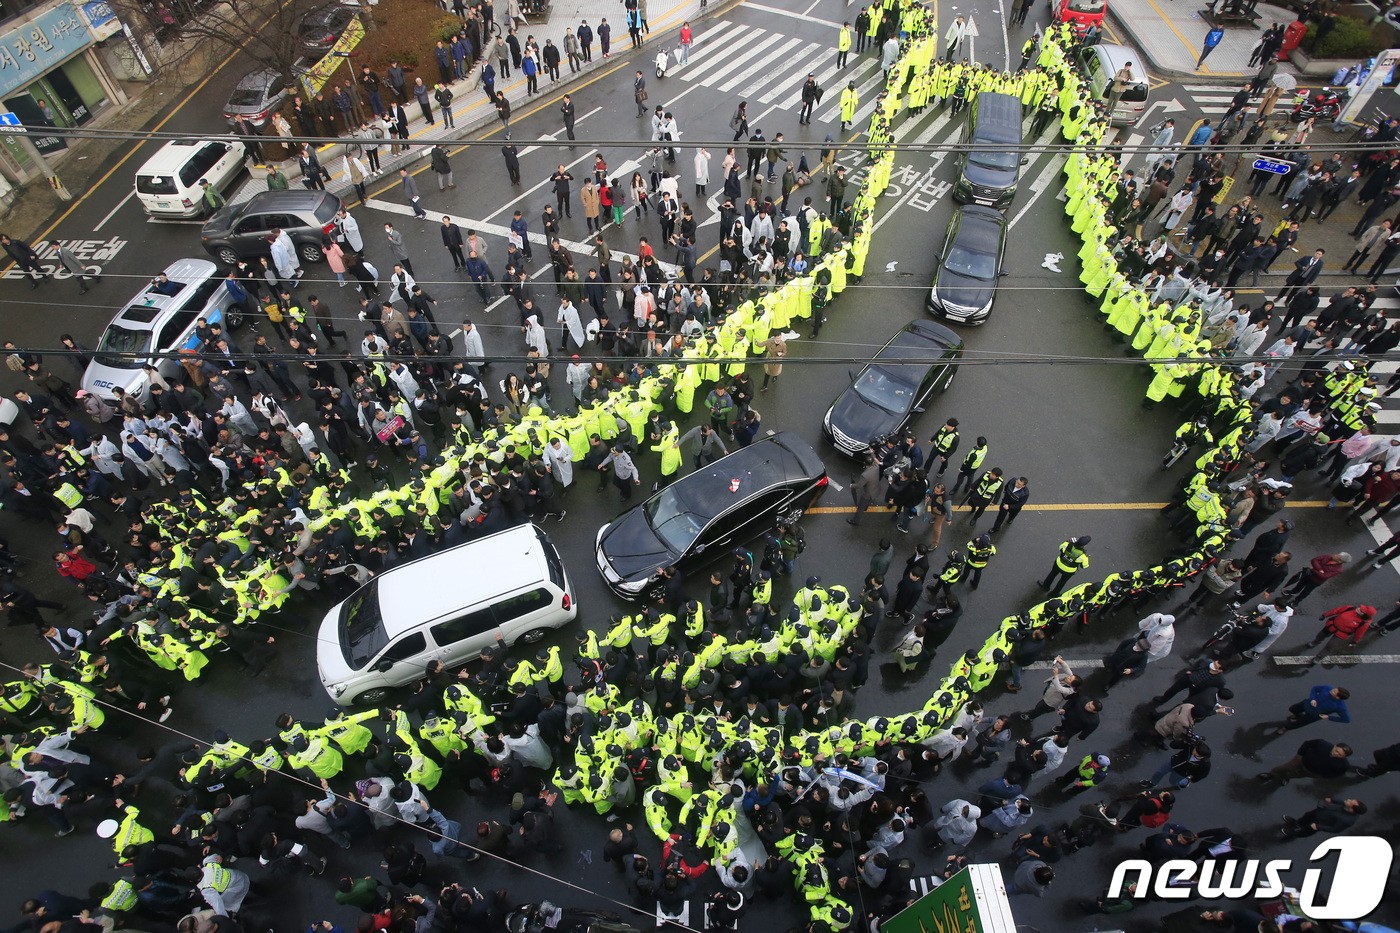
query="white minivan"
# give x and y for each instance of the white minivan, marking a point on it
(1100, 63)
(446, 607)
(168, 184)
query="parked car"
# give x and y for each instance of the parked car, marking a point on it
(319, 29)
(158, 321)
(240, 231)
(257, 96)
(444, 607)
(893, 387)
(168, 184)
(698, 517)
(969, 265)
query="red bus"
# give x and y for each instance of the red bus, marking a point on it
(1081, 14)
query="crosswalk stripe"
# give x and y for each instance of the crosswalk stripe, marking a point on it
(777, 90)
(865, 90)
(745, 56)
(760, 64)
(708, 64)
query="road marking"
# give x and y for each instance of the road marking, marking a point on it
(802, 16)
(781, 53)
(614, 173)
(1072, 506)
(95, 186)
(101, 223)
(1291, 660)
(554, 136)
(1039, 185)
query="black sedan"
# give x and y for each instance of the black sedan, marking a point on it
(320, 28)
(969, 265)
(698, 517)
(893, 386)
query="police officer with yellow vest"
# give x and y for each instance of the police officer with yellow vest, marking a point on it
(1068, 561)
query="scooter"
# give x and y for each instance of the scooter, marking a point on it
(663, 63)
(1324, 105)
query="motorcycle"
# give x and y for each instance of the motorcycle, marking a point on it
(1324, 105)
(537, 918)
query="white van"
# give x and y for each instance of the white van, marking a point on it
(168, 184)
(1100, 63)
(446, 607)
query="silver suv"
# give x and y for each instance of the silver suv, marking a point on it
(159, 320)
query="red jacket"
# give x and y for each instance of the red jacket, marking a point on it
(1380, 488)
(1325, 566)
(79, 567)
(1349, 621)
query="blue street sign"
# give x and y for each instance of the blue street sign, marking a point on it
(9, 119)
(1274, 166)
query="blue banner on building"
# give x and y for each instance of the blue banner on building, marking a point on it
(30, 49)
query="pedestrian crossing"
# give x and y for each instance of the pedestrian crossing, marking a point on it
(768, 69)
(1210, 99)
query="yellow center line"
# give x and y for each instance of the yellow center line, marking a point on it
(92, 188)
(1059, 507)
(1184, 41)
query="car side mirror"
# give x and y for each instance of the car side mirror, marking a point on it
(936, 260)
(699, 548)
(918, 409)
(850, 375)
(383, 667)
(1026, 161)
(1003, 272)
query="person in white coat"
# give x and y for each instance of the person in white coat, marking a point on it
(349, 229)
(559, 461)
(572, 326)
(472, 348)
(168, 451)
(237, 413)
(284, 257)
(957, 824)
(954, 37)
(403, 378)
(535, 337)
(576, 375)
(527, 747)
(1154, 640)
(702, 170)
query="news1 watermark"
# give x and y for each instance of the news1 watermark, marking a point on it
(1356, 869)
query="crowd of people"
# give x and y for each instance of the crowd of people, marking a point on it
(719, 724)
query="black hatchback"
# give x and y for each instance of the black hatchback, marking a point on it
(699, 516)
(893, 387)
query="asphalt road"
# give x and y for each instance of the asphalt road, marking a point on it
(1076, 430)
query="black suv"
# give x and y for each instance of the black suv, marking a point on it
(240, 231)
(699, 516)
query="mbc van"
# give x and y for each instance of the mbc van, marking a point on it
(990, 163)
(445, 607)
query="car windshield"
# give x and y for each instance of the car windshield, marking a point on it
(362, 633)
(246, 97)
(971, 265)
(672, 521)
(123, 347)
(994, 158)
(882, 388)
(1087, 6)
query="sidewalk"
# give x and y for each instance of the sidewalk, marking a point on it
(1171, 34)
(472, 112)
